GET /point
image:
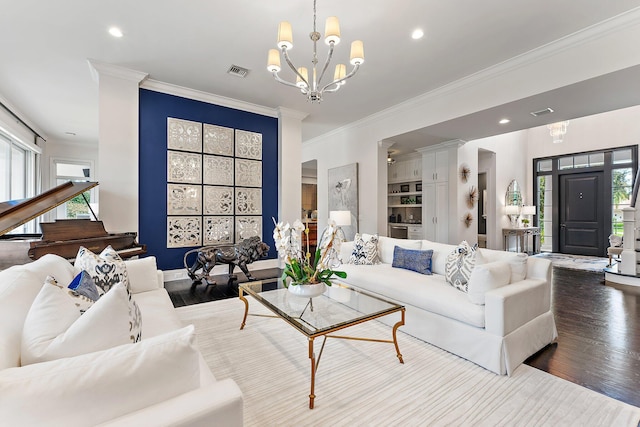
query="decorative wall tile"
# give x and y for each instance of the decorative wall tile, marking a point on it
(248, 144)
(218, 200)
(184, 135)
(248, 173)
(184, 199)
(248, 201)
(183, 231)
(248, 226)
(184, 167)
(218, 170)
(217, 229)
(218, 140)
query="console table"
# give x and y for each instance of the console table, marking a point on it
(522, 238)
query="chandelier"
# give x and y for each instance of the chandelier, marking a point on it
(558, 131)
(311, 84)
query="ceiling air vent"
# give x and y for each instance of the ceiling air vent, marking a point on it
(541, 112)
(237, 71)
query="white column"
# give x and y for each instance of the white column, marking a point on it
(383, 187)
(290, 165)
(628, 257)
(118, 111)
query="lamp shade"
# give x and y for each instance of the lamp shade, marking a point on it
(357, 52)
(305, 74)
(285, 35)
(273, 62)
(512, 210)
(340, 217)
(528, 210)
(332, 30)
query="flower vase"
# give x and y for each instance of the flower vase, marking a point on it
(307, 290)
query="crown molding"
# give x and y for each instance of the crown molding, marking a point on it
(292, 114)
(99, 68)
(456, 143)
(612, 25)
(207, 97)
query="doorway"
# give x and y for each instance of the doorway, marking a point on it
(582, 214)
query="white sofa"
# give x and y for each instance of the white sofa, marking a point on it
(161, 380)
(514, 322)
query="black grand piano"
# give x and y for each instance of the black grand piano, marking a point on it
(62, 237)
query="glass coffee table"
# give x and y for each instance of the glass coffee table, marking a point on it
(338, 308)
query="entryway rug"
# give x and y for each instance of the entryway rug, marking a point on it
(575, 262)
(362, 383)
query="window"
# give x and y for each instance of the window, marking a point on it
(621, 188)
(545, 209)
(17, 179)
(75, 170)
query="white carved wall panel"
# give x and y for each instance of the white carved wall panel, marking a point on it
(248, 226)
(184, 167)
(248, 201)
(184, 199)
(248, 173)
(218, 200)
(248, 144)
(184, 135)
(218, 170)
(184, 231)
(218, 140)
(218, 229)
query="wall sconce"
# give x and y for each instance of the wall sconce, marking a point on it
(513, 212)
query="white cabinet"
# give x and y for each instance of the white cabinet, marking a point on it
(405, 171)
(414, 232)
(435, 211)
(436, 166)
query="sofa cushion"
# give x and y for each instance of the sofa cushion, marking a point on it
(158, 312)
(88, 389)
(142, 274)
(518, 266)
(485, 277)
(414, 260)
(387, 245)
(54, 327)
(365, 251)
(84, 285)
(460, 263)
(105, 269)
(430, 293)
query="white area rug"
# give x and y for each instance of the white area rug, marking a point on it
(575, 262)
(362, 383)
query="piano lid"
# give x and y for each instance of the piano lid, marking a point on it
(17, 212)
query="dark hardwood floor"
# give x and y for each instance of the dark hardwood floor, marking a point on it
(598, 344)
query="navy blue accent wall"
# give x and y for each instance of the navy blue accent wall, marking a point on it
(155, 108)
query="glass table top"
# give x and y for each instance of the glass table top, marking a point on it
(338, 307)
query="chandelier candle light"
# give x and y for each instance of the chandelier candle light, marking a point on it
(311, 85)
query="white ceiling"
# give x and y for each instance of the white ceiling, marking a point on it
(45, 45)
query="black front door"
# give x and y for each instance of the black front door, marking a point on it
(582, 214)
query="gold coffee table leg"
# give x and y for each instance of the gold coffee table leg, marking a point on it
(312, 356)
(395, 339)
(246, 308)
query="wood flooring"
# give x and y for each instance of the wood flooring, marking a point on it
(598, 344)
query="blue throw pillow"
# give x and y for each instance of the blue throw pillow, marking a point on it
(412, 259)
(83, 284)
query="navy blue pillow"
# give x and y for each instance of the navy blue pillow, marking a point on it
(412, 259)
(84, 285)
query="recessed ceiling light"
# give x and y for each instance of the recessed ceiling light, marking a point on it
(417, 34)
(504, 121)
(115, 32)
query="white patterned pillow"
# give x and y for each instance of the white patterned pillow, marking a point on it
(105, 269)
(365, 252)
(459, 265)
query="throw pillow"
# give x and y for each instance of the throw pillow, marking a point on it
(414, 260)
(54, 328)
(105, 269)
(84, 285)
(459, 265)
(485, 277)
(99, 387)
(518, 265)
(365, 252)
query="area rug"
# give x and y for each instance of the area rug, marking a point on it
(363, 384)
(575, 262)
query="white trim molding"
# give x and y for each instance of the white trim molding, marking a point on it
(98, 67)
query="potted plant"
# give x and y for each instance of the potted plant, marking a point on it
(308, 276)
(525, 222)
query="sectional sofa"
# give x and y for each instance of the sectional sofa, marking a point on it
(504, 318)
(161, 380)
